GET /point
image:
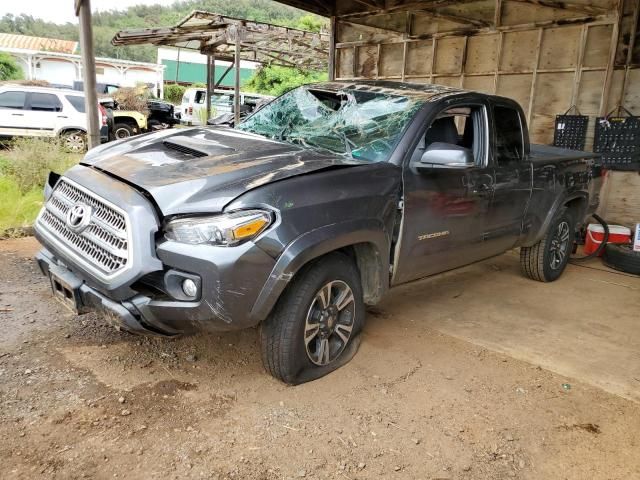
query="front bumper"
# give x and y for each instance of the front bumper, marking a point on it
(230, 283)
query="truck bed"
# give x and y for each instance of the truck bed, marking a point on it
(547, 153)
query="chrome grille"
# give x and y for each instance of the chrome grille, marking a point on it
(103, 245)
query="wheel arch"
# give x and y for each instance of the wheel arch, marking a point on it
(65, 130)
(365, 241)
(577, 205)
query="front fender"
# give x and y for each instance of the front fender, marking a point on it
(314, 244)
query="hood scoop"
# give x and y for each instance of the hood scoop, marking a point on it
(196, 147)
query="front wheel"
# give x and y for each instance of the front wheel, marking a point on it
(314, 329)
(546, 260)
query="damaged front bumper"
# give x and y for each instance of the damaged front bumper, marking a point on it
(229, 282)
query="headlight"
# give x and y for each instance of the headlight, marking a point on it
(225, 230)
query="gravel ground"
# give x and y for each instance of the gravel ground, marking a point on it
(81, 400)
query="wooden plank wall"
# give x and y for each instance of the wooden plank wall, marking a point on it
(540, 56)
(546, 57)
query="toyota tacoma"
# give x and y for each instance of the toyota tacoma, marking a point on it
(310, 209)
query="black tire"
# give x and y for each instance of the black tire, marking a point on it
(123, 130)
(74, 141)
(285, 353)
(546, 260)
(622, 257)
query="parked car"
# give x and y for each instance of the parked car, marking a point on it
(193, 106)
(126, 122)
(309, 210)
(27, 111)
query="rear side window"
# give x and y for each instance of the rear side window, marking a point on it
(509, 143)
(45, 102)
(200, 96)
(77, 102)
(13, 100)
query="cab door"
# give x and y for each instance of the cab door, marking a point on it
(446, 207)
(512, 172)
(12, 113)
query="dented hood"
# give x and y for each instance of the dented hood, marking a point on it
(202, 169)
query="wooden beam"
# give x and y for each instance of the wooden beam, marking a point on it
(209, 86)
(408, 6)
(579, 61)
(593, 21)
(534, 78)
(497, 14)
(450, 17)
(236, 83)
(568, 6)
(332, 48)
(223, 76)
(606, 86)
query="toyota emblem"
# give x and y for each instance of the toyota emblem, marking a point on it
(79, 217)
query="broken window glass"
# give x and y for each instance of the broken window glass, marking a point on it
(356, 124)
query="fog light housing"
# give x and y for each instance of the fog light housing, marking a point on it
(189, 288)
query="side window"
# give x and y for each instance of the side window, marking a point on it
(200, 96)
(13, 100)
(45, 102)
(77, 102)
(463, 127)
(509, 144)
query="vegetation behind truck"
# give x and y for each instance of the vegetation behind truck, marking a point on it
(310, 209)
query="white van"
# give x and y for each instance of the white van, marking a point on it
(193, 107)
(27, 111)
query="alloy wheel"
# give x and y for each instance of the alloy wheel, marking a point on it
(329, 322)
(560, 243)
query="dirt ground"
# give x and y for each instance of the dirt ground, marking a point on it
(81, 400)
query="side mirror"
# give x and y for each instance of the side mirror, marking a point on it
(445, 155)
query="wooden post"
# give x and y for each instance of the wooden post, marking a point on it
(236, 88)
(83, 11)
(208, 96)
(332, 49)
(177, 67)
(606, 86)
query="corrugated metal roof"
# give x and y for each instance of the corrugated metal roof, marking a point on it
(26, 42)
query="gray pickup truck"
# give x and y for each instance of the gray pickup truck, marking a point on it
(307, 211)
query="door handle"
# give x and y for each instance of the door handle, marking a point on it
(481, 188)
(62, 116)
(17, 114)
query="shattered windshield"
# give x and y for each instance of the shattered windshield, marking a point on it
(355, 124)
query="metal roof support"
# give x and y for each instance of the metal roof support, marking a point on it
(236, 85)
(83, 11)
(210, 58)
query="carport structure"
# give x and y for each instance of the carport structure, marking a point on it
(548, 55)
(234, 39)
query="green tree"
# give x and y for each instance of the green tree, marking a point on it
(275, 80)
(9, 69)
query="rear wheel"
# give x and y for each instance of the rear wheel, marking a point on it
(314, 329)
(74, 141)
(546, 260)
(123, 130)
